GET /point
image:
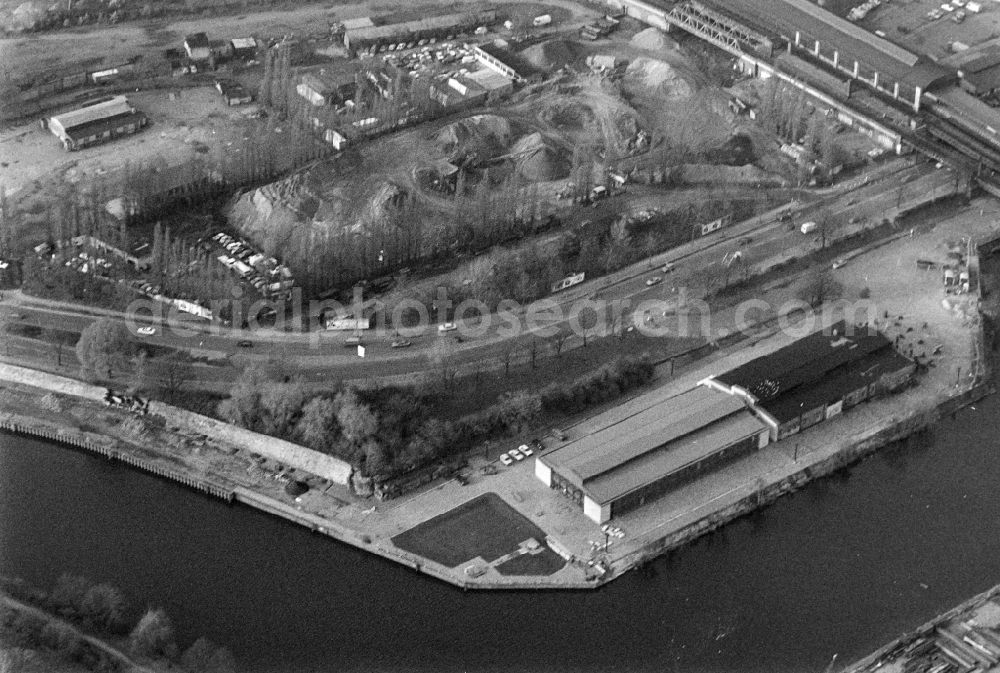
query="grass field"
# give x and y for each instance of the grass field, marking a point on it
(486, 527)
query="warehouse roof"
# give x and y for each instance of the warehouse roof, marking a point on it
(831, 83)
(850, 377)
(489, 80)
(196, 40)
(626, 439)
(316, 84)
(244, 43)
(99, 126)
(981, 63)
(406, 27)
(674, 456)
(984, 80)
(804, 360)
(852, 41)
(90, 113)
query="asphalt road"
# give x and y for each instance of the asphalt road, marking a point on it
(322, 355)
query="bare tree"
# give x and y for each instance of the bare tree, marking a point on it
(171, 373)
(819, 288)
(558, 340)
(506, 354)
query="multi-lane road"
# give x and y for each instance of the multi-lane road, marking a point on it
(322, 355)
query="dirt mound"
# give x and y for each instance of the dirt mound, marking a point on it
(693, 174)
(535, 160)
(660, 76)
(652, 39)
(552, 55)
(567, 113)
(26, 16)
(474, 139)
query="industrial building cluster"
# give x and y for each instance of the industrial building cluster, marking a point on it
(640, 455)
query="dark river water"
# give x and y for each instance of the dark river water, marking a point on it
(837, 569)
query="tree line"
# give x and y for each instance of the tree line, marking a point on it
(787, 113)
(78, 606)
(389, 432)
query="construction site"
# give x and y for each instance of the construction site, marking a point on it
(638, 118)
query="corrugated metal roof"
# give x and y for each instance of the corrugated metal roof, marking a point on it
(852, 41)
(407, 27)
(99, 126)
(640, 433)
(673, 457)
(490, 80)
(802, 361)
(835, 385)
(981, 63)
(794, 65)
(118, 105)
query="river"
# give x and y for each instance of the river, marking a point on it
(838, 568)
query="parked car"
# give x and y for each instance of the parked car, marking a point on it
(537, 445)
(506, 460)
(447, 327)
(146, 331)
(244, 343)
(516, 455)
(655, 280)
(525, 449)
(668, 267)
(401, 343)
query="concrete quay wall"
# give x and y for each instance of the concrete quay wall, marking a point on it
(107, 447)
(876, 439)
(875, 660)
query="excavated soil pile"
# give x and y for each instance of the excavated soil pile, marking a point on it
(535, 160)
(474, 139)
(567, 114)
(659, 76)
(552, 55)
(653, 40)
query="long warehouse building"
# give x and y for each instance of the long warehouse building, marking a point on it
(96, 123)
(844, 46)
(374, 37)
(817, 377)
(638, 457)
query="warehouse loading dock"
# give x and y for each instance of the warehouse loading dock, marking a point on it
(642, 456)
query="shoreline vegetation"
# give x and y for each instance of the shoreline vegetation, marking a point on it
(80, 625)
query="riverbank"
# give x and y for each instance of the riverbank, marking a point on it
(358, 524)
(236, 466)
(969, 632)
